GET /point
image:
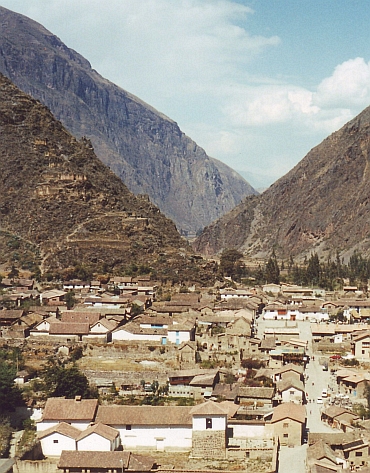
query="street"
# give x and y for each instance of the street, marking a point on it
(294, 458)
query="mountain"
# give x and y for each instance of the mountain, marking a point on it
(147, 150)
(322, 205)
(61, 207)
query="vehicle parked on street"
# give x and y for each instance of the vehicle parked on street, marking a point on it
(319, 400)
(335, 357)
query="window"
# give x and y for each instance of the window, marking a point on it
(55, 441)
(358, 454)
(208, 423)
(291, 393)
(285, 436)
(128, 427)
(285, 425)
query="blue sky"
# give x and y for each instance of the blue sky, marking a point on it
(256, 83)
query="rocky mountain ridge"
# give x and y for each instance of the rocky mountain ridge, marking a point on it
(60, 206)
(146, 149)
(322, 205)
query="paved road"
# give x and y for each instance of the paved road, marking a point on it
(292, 460)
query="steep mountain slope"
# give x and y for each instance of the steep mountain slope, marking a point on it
(321, 205)
(144, 148)
(61, 206)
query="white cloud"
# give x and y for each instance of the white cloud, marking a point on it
(348, 86)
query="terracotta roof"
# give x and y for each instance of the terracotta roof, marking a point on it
(58, 408)
(208, 408)
(80, 317)
(291, 367)
(256, 392)
(134, 328)
(289, 410)
(320, 450)
(144, 415)
(69, 328)
(287, 383)
(192, 372)
(203, 380)
(332, 438)
(334, 411)
(108, 324)
(62, 428)
(11, 313)
(100, 429)
(105, 460)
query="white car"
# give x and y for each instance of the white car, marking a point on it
(319, 400)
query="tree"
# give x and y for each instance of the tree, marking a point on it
(230, 263)
(10, 396)
(62, 380)
(69, 299)
(272, 271)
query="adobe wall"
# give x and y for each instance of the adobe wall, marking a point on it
(209, 444)
(39, 466)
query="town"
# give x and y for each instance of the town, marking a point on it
(232, 377)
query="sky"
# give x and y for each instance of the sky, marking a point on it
(256, 83)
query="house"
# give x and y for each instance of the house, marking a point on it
(290, 370)
(98, 437)
(288, 421)
(104, 462)
(240, 327)
(291, 390)
(201, 429)
(209, 424)
(57, 438)
(43, 327)
(77, 412)
(321, 455)
(339, 418)
(178, 333)
(156, 329)
(355, 384)
(356, 453)
(9, 316)
(187, 354)
(101, 330)
(257, 396)
(192, 383)
(361, 345)
(53, 297)
(69, 331)
(150, 427)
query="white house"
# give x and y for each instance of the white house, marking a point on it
(98, 437)
(178, 333)
(61, 436)
(43, 327)
(291, 390)
(101, 330)
(150, 427)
